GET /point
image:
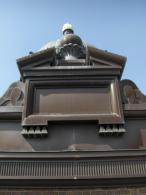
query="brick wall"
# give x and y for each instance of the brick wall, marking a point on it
(99, 191)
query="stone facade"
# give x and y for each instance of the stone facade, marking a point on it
(71, 126)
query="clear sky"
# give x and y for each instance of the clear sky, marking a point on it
(118, 26)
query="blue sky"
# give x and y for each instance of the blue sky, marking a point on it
(118, 26)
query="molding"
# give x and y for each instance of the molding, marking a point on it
(73, 169)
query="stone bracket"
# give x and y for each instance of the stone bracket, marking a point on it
(34, 131)
(114, 130)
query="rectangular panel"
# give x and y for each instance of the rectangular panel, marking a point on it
(73, 101)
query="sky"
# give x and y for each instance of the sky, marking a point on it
(118, 26)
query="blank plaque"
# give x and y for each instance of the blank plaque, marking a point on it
(73, 101)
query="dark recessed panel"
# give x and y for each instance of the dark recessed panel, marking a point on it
(73, 101)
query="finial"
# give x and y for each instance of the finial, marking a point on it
(67, 28)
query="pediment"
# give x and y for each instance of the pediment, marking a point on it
(47, 60)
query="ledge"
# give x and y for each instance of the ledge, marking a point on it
(73, 168)
(11, 112)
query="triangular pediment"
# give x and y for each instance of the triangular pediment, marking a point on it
(48, 59)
